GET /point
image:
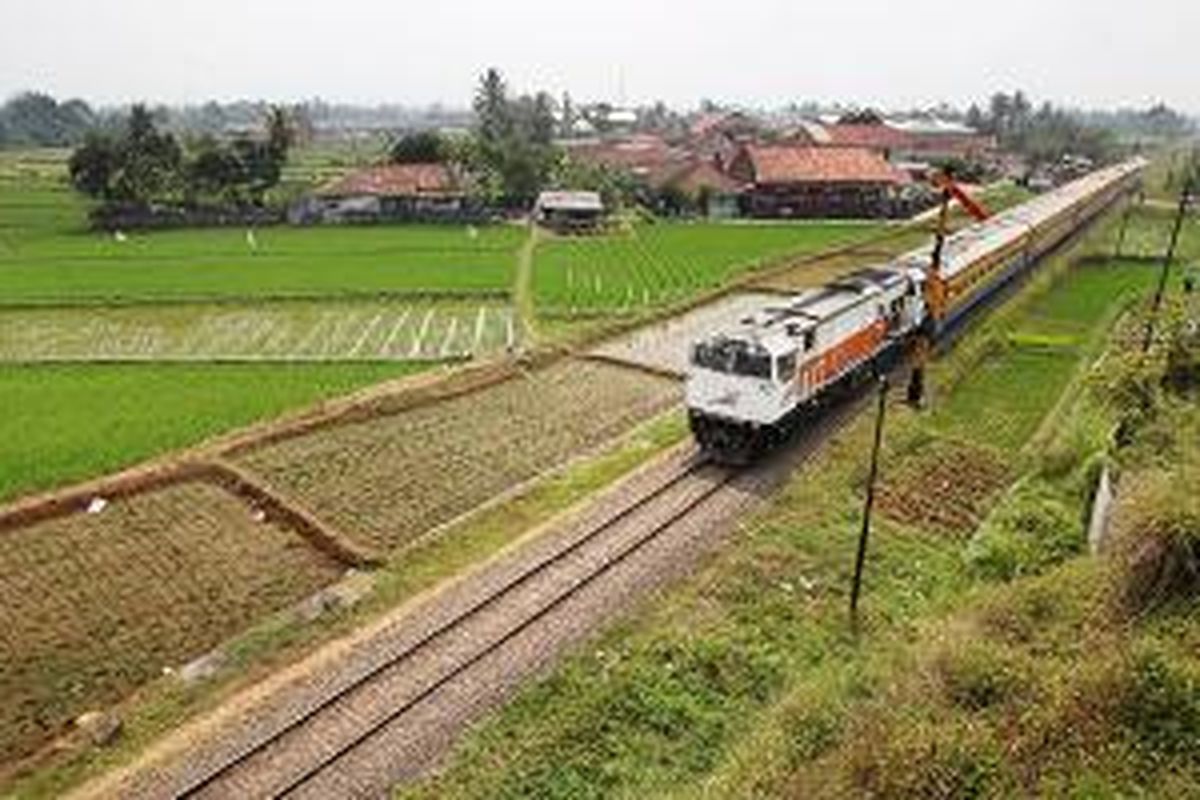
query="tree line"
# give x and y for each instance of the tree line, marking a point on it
(34, 119)
(1046, 133)
(140, 164)
(510, 153)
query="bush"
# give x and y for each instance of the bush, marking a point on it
(1157, 531)
(1182, 373)
(1161, 707)
(1029, 530)
(979, 676)
(1128, 385)
(926, 762)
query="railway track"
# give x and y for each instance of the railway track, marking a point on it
(389, 713)
(315, 741)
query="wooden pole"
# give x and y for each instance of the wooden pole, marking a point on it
(1180, 214)
(935, 301)
(865, 532)
(1124, 226)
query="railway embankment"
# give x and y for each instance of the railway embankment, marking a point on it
(994, 656)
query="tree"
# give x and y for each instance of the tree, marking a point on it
(33, 119)
(494, 123)
(1000, 113)
(420, 147)
(259, 167)
(975, 118)
(213, 171)
(514, 152)
(567, 128)
(865, 117)
(93, 165)
(541, 121)
(148, 161)
(280, 133)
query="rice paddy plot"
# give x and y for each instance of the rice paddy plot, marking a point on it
(93, 605)
(388, 480)
(328, 330)
(656, 265)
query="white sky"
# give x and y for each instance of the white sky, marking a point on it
(753, 52)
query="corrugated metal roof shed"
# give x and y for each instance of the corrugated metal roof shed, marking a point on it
(570, 201)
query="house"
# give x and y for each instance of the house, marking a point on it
(389, 192)
(569, 212)
(641, 155)
(716, 193)
(817, 181)
(719, 135)
(917, 143)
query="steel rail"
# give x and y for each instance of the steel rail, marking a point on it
(693, 465)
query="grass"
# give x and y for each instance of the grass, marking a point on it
(1038, 351)
(66, 423)
(657, 265)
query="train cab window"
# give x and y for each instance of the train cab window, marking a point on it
(810, 339)
(785, 368)
(733, 356)
(752, 364)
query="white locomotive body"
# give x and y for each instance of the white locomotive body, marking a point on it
(749, 386)
(746, 387)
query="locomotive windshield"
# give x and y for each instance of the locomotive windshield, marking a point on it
(733, 357)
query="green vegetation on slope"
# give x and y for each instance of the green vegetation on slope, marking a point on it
(67, 423)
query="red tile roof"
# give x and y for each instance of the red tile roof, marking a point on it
(394, 180)
(878, 137)
(638, 154)
(693, 175)
(792, 164)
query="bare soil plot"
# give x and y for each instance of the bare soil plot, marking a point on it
(94, 605)
(330, 330)
(947, 486)
(814, 273)
(664, 346)
(389, 479)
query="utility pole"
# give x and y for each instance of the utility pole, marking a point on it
(865, 533)
(1184, 199)
(1124, 226)
(935, 306)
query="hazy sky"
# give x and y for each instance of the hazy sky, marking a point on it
(757, 52)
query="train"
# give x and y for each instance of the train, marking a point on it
(748, 387)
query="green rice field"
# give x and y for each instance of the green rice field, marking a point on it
(63, 423)
(47, 255)
(1039, 357)
(657, 265)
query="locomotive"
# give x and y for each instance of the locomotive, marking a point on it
(749, 387)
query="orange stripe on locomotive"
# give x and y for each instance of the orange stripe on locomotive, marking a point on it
(839, 359)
